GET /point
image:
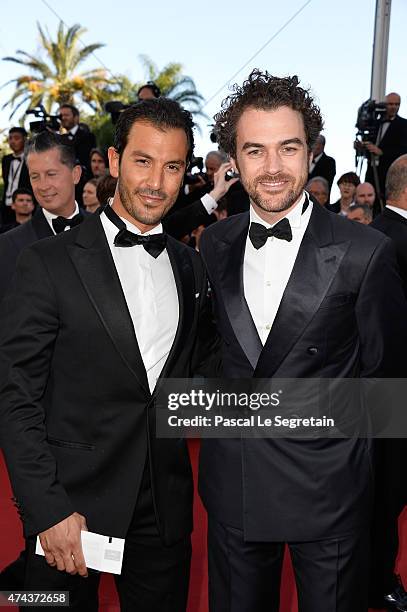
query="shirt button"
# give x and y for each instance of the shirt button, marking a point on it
(268, 283)
(268, 326)
(312, 350)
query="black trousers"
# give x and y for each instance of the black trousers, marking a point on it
(331, 575)
(154, 578)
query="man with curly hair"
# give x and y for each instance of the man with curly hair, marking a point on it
(298, 293)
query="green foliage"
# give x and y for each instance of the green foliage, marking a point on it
(55, 79)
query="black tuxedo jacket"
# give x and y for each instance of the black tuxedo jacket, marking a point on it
(395, 227)
(24, 182)
(14, 241)
(341, 315)
(83, 142)
(326, 167)
(77, 416)
(393, 144)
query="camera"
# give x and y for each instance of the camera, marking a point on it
(370, 116)
(46, 121)
(231, 174)
(192, 179)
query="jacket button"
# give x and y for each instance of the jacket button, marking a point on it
(312, 350)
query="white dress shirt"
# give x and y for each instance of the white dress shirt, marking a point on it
(151, 294)
(49, 216)
(266, 271)
(399, 211)
(13, 177)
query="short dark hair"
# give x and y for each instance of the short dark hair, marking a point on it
(105, 188)
(152, 87)
(73, 108)
(21, 191)
(266, 92)
(367, 211)
(45, 141)
(18, 130)
(161, 113)
(349, 177)
(101, 154)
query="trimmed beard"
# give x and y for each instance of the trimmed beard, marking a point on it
(288, 198)
(144, 215)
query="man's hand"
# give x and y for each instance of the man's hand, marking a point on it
(372, 148)
(220, 185)
(62, 545)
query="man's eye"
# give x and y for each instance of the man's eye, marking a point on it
(173, 168)
(289, 149)
(141, 162)
(254, 152)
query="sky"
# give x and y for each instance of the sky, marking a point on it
(328, 45)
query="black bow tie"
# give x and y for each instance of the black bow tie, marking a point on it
(154, 244)
(258, 234)
(60, 223)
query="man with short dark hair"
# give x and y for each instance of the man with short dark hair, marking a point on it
(299, 293)
(78, 134)
(23, 206)
(322, 164)
(94, 318)
(14, 171)
(53, 173)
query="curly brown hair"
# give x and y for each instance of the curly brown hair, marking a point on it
(266, 92)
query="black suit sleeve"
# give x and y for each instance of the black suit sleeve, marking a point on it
(185, 220)
(28, 332)
(381, 312)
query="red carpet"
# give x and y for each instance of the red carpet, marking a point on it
(12, 543)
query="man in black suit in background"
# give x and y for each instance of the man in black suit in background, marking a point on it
(390, 144)
(322, 164)
(78, 135)
(54, 173)
(94, 317)
(14, 172)
(298, 293)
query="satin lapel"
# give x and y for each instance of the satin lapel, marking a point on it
(317, 262)
(93, 261)
(230, 254)
(40, 225)
(185, 283)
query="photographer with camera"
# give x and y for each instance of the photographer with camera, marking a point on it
(15, 172)
(390, 143)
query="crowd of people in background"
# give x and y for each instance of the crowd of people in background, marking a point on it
(207, 196)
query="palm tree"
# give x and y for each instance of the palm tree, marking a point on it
(56, 79)
(175, 85)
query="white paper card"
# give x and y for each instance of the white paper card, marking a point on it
(101, 552)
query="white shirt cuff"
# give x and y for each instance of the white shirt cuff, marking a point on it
(209, 203)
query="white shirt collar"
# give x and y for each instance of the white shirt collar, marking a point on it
(74, 129)
(294, 216)
(49, 215)
(399, 211)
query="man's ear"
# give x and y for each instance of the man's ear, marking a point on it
(77, 173)
(113, 162)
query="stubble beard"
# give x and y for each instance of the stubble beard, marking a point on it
(142, 212)
(279, 202)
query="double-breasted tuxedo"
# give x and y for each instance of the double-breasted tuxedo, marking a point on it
(339, 317)
(75, 400)
(325, 167)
